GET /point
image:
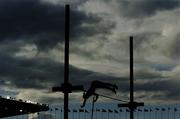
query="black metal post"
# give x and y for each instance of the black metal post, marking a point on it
(66, 61)
(92, 114)
(131, 105)
(67, 87)
(131, 77)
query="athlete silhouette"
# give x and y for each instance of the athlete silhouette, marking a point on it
(95, 85)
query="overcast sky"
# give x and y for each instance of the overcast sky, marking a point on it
(32, 46)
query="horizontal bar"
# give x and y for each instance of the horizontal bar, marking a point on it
(68, 88)
(130, 105)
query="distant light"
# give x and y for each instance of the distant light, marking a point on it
(28, 101)
(8, 97)
(20, 110)
(31, 102)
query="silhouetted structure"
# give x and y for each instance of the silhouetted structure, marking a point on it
(11, 107)
(67, 87)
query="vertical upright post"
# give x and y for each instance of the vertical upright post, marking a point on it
(67, 87)
(131, 77)
(92, 114)
(66, 62)
(131, 105)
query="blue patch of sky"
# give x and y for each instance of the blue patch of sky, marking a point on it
(163, 67)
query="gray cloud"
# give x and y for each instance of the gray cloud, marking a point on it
(174, 48)
(144, 8)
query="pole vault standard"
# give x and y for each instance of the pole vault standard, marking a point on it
(131, 78)
(67, 87)
(131, 105)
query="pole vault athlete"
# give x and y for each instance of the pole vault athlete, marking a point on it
(97, 85)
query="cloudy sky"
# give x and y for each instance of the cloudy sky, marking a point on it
(32, 46)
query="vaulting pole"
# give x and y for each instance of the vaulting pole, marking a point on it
(66, 62)
(131, 77)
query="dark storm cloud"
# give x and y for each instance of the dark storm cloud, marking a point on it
(43, 73)
(144, 8)
(42, 23)
(24, 73)
(147, 74)
(168, 87)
